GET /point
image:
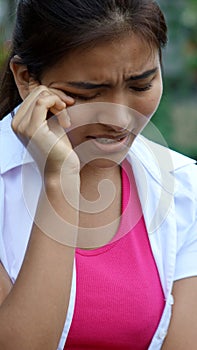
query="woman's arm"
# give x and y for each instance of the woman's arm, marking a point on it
(33, 315)
(182, 334)
(5, 284)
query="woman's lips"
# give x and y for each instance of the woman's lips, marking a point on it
(111, 144)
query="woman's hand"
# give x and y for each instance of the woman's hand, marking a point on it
(47, 142)
(5, 284)
(46, 139)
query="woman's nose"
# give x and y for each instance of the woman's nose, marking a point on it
(114, 115)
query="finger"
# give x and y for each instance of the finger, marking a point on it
(32, 97)
(63, 119)
(27, 126)
(55, 127)
(42, 105)
(27, 106)
(35, 91)
(64, 97)
(62, 116)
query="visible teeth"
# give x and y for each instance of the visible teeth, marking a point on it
(105, 140)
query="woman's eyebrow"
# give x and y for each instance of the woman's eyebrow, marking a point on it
(83, 85)
(86, 85)
(144, 75)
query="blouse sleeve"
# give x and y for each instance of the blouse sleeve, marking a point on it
(186, 209)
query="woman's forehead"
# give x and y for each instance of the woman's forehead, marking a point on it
(128, 56)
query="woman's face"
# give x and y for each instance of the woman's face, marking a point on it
(117, 86)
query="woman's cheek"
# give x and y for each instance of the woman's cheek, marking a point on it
(152, 103)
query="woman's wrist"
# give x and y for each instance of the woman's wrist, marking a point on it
(57, 213)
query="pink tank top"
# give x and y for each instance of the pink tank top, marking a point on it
(119, 299)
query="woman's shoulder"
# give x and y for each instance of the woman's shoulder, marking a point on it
(159, 160)
(178, 160)
(170, 178)
(11, 149)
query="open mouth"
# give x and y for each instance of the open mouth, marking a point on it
(108, 141)
(111, 144)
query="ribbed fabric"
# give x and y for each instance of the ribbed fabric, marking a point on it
(119, 299)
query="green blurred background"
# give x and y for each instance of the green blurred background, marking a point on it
(176, 118)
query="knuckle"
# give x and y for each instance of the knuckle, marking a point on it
(42, 88)
(40, 101)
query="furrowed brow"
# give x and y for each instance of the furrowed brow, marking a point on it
(86, 85)
(142, 76)
(83, 85)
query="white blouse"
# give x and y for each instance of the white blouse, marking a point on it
(167, 188)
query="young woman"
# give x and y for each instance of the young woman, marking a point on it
(98, 230)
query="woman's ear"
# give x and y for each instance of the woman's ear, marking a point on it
(22, 77)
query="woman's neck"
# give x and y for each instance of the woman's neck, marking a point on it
(93, 177)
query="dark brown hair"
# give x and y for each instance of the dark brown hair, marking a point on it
(45, 31)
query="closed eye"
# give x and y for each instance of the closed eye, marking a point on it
(143, 88)
(81, 97)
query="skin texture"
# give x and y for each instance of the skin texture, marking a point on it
(183, 326)
(5, 284)
(109, 65)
